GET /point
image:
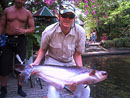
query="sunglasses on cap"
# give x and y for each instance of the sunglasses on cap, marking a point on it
(70, 16)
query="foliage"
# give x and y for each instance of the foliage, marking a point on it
(109, 16)
(118, 22)
(35, 5)
(89, 9)
(97, 12)
(34, 40)
(108, 44)
(117, 42)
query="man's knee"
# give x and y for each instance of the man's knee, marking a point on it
(82, 92)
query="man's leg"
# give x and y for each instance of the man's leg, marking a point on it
(21, 51)
(82, 91)
(5, 69)
(3, 80)
(53, 92)
(94, 39)
(20, 90)
(19, 83)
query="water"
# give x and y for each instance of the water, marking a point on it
(117, 85)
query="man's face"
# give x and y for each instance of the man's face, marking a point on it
(19, 3)
(66, 19)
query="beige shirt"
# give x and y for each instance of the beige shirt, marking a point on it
(61, 47)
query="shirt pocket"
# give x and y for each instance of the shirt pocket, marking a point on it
(70, 52)
(55, 49)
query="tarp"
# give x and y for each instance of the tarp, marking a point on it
(45, 13)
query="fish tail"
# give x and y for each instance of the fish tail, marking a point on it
(24, 76)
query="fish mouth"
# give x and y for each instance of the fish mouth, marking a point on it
(102, 76)
(104, 73)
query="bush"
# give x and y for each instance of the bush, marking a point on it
(117, 43)
(108, 44)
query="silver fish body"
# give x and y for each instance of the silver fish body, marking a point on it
(59, 76)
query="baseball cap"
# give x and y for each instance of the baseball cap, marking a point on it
(66, 7)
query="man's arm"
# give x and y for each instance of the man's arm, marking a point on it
(3, 22)
(41, 54)
(30, 23)
(78, 59)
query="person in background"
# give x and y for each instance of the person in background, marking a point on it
(87, 43)
(104, 37)
(94, 35)
(90, 37)
(62, 44)
(16, 22)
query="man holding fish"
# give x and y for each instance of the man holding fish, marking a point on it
(62, 44)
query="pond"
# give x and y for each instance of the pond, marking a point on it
(117, 85)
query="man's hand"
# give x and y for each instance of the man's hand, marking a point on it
(20, 31)
(32, 64)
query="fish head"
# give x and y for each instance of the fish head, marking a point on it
(100, 76)
(95, 77)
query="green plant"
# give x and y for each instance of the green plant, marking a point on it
(108, 44)
(34, 40)
(117, 43)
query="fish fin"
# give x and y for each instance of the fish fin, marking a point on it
(92, 72)
(35, 72)
(67, 89)
(72, 88)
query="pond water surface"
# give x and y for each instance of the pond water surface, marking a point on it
(117, 85)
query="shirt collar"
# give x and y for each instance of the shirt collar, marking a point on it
(72, 31)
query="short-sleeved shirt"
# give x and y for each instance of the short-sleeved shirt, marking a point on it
(60, 47)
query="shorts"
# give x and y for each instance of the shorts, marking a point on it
(14, 45)
(93, 38)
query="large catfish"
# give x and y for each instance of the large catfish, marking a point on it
(59, 76)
